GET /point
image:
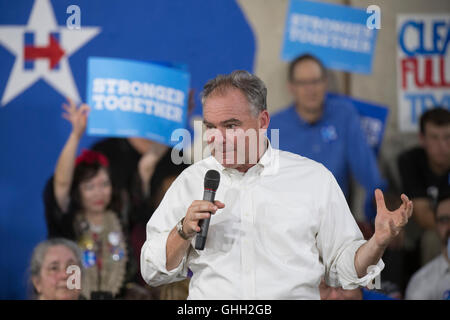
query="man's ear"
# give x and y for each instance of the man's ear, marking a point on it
(264, 119)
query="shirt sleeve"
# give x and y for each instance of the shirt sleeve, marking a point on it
(153, 253)
(339, 238)
(363, 163)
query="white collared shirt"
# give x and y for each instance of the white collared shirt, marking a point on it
(286, 224)
(431, 282)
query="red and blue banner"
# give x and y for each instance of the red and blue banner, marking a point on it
(423, 66)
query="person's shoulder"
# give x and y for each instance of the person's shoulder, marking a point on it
(412, 154)
(296, 159)
(345, 106)
(198, 168)
(283, 111)
(341, 112)
(290, 161)
(430, 269)
(434, 265)
(281, 114)
(416, 150)
(423, 281)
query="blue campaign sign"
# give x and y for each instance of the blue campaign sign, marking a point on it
(336, 34)
(137, 99)
(373, 119)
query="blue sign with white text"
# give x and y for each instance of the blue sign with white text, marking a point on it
(136, 99)
(338, 35)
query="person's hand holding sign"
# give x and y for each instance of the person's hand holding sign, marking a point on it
(65, 166)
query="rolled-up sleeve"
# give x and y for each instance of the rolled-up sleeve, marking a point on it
(153, 252)
(339, 238)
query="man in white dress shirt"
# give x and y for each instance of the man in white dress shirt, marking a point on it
(283, 222)
(432, 281)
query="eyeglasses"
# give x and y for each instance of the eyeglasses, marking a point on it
(443, 220)
(303, 83)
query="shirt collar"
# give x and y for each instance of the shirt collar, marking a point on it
(269, 162)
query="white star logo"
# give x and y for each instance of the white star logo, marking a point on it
(46, 53)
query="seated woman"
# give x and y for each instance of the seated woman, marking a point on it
(79, 205)
(49, 270)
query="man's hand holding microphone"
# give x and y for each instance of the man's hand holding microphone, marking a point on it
(195, 222)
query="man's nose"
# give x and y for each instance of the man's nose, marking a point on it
(214, 135)
(219, 136)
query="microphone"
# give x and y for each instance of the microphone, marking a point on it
(212, 179)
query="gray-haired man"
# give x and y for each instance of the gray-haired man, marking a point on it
(284, 222)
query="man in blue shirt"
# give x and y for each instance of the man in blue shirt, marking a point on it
(327, 130)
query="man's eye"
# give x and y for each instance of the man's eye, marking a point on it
(231, 126)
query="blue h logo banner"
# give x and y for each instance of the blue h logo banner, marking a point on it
(52, 52)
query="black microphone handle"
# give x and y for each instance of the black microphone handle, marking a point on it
(200, 240)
